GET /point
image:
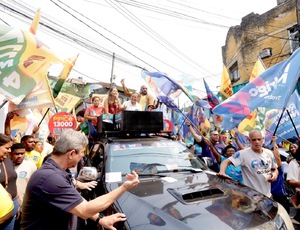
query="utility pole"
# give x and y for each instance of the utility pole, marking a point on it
(112, 70)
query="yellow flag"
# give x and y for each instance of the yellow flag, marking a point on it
(40, 97)
(68, 66)
(35, 22)
(225, 87)
(66, 102)
(249, 122)
(258, 68)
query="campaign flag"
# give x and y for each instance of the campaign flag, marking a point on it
(169, 102)
(258, 69)
(285, 127)
(162, 85)
(250, 121)
(211, 97)
(246, 125)
(264, 118)
(35, 22)
(24, 62)
(68, 66)
(66, 102)
(271, 89)
(40, 97)
(225, 87)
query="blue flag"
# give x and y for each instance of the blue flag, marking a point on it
(271, 89)
(211, 97)
(285, 128)
(162, 85)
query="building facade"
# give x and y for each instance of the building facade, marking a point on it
(272, 37)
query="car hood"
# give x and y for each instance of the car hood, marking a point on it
(193, 201)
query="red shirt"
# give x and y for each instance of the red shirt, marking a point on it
(95, 112)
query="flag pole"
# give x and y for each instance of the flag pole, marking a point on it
(43, 117)
(278, 122)
(186, 118)
(292, 122)
(3, 103)
(280, 137)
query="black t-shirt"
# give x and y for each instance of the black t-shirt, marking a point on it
(49, 195)
(11, 176)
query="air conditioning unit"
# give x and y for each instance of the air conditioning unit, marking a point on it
(265, 53)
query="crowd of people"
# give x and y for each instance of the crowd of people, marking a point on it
(33, 195)
(254, 165)
(37, 185)
(38, 189)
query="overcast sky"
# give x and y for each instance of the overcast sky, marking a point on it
(179, 38)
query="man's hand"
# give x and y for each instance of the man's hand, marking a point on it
(87, 185)
(208, 142)
(272, 178)
(187, 122)
(35, 129)
(132, 180)
(10, 115)
(223, 175)
(108, 221)
(123, 81)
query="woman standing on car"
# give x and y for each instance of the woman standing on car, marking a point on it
(112, 103)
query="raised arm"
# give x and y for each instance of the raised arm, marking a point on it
(7, 130)
(213, 150)
(240, 146)
(276, 152)
(197, 137)
(125, 89)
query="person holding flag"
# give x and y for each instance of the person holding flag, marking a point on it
(206, 152)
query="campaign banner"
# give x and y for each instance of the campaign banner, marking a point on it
(24, 62)
(271, 89)
(60, 122)
(40, 97)
(285, 127)
(65, 102)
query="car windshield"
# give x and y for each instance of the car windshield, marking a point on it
(151, 157)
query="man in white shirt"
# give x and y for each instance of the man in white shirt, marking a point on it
(257, 163)
(132, 105)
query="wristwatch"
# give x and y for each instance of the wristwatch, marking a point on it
(100, 215)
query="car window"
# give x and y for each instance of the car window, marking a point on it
(150, 157)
